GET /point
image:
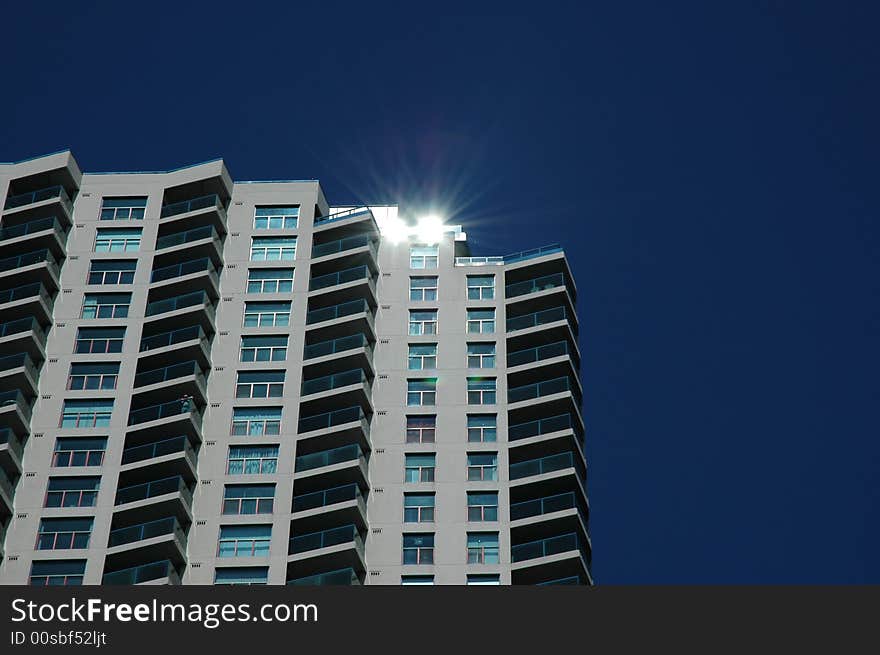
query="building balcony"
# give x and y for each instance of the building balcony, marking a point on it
(152, 500)
(197, 242)
(7, 493)
(528, 357)
(42, 233)
(553, 557)
(329, 322)
(23, 335)
(318, 510)
(358, 245)
(346, 217)
(187, 277)
(15, 411)
(36, 266)
(196, 212)
(19, 372)
(181, 311)
(327, 429)
(340, 577)
(541, 466)
(43, 200)
(559, 319)
(520, 396)
(11, 452)
(28, 300)
(354, 283)
(534, 253)
(333, 548)
(172, 383)
(333, 467)
(162, 538)
(351, 345)
(165, 348)
(547, 507)
(161, 459)
(345, 388)
(157, 573)
(154, 422)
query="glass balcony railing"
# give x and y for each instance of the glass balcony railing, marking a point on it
(140, 574)
(30, 227)
(327, 497)
(333, 346)
(540, 506)
(341, 245)
(165, 339)
(546, 547)
(163, 410)
(532, 355)
(324, 539)
(330, 419)
(328, 457)
(337, 311)
(348, 213)
(148, 530)
(178, 302)
(15, 397)
(179, 238)
(166, 373)
(541, 465)
(538, 284)
(204, 202)
(28, 324)
(479, 261)
(32, 290)
(184, 268)
(29, 259)
(539, 389)
(175, 484)
(537, 318)
(339, 577)
(341, 277)
(531, 254)
(539, 427)
(335, 381)
(40, 195)
(19, 360)
(6, 485)
(158, 449)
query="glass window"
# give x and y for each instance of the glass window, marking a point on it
(112, 271)
(481, 391)
(423, 322)
(418, 508)
(256, 421)
(252, 460)
(123, 208)
(244, 541)
(424, 256)
(241, 575)
(490, 579)
(76, 451)
(421, 428)
(482, 505)
(421, 391)
(481, 287)
(482, 467)
(417, 579)
(105, 305)
(92, 377)
(118, 240)
(266, 314)
(80, 491)
(423, 288)
(481, 321)
(270, 280)
(481, 355)
(57, 572)
(260, 384)
(264, 349)
(418, 548)
(422, 356)
(248, 498)
(62, 534)
(419, 467)
(273, 249)
(276, 218)
(86, 413)
(482, 428)
(99, 340)
(482, 548)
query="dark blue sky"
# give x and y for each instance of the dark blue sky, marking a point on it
(712, 172)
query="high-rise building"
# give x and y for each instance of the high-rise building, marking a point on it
(205, 381)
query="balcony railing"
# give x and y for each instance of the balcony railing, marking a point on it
(531, 254)
(178, 302)
(140, 574)
(15, 397)
(40, 195)
(335, 381)
(537, 318)
(158, 449)
(30, 227)
(572, 579)
(341, 277)
(532, 355)
(538, 284)
(29, 259)
(6, 485)
(10, 439)
(325, 538)
(333, 346)
(539, 389)
(330, 419)
(163, 410)
(179, 238)
(25, 291)
(328, 457)
(339, 577)
(167, 373)
(147, 530)
(545, 547)
(341, 245)
(540, 506)
(165, 339)
(19, 360)
(541, 465)
(153, 489)
(184, 268)
(27, 324)
(539, 427)
(203, 202)
(337, 311)
(326, 497)
(348, 213)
